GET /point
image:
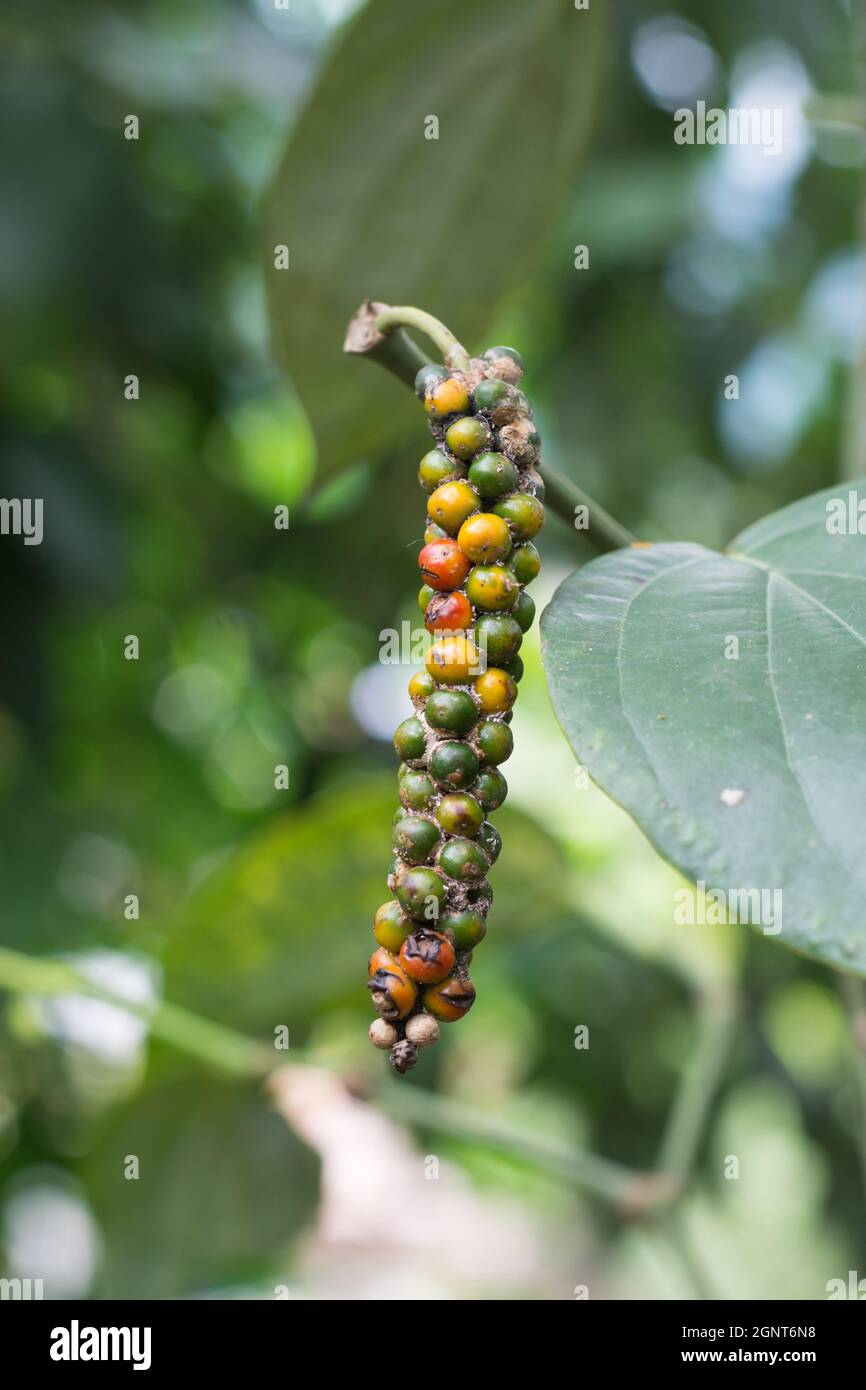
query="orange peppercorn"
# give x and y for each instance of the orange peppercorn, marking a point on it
(443, 565)
(448, 613)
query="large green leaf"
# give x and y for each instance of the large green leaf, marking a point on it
(749, 772)
(223, 1184)
(369, 207)
(280, 932)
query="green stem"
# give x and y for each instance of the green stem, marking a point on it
(453, 352)
(377, 331)
(598, 1176)
(221, 1049)
(716, 1018)
(854, 997)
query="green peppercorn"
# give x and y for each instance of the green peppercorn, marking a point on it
(499, 635)
(425, 593)
(463, 860)
(421, 892)
(410, 740)
(490, 841)
(523, 613)
(415, 839)
(427, 377)
(391, 926)
(490, 789)
(525, 563)
(452, 710)
(467, 436)
(495, 742)
(514, 668)
(493, 475)
(436, 468)
(459, 814)
(491, 587)
(524, 514)
(490, 393)
(416, 790)
(467, 928)
(453, 765)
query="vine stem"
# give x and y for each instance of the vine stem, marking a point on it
(717, 1012)
(854, 998)
(378, 331)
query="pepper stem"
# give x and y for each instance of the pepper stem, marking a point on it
(378, 331)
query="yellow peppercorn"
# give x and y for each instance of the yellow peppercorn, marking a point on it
(451, 504)
(448, 397)
(421, 685)
(496, 690)
(484, 538)
(492, 587)
(453, 660)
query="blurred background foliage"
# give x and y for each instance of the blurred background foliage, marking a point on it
(259, 647)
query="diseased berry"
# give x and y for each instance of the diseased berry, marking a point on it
(451, 504)
(491, 842)
(393, 993)
(452, 710)
(416, 790)
(491, 587)
(524, 514)
(458, 813)
(404, 1055)
(428, 377)
(422, 1029)
(524, 612)
(410, 740)
(533, 484)
(463, 860)
(450, 1000)
(421, 685)
(453, 660)
(495, 742)
(493, 475)
(525, 563)
(436, 468)
(382, 1033)
(391, 926)
(467, 927)
(485, 538)
(415, 839)
(443, 564)
(453, 765)
(421, 892)
(446, 397)
(448, 613)
(427, 956)
(490, 789)
(502, 356)
(467, 436)
(499, 636)
(496, 690)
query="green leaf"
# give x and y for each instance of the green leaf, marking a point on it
(369, 207)
(223, 1186)
(281, 931)
(745, 773)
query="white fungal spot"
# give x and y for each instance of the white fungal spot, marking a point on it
(732, 796)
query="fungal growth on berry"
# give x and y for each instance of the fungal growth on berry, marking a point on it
(484, 508)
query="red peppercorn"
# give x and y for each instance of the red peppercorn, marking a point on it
(443, 565)
(448, 612)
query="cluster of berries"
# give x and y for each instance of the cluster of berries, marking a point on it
(484, 509)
